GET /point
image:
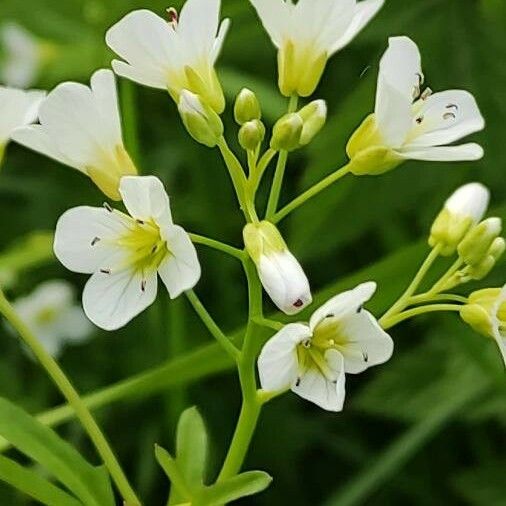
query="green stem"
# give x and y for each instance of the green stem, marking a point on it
(388, 322)
(443, 282)
(270, 324)
(69, 392)
(279, 174)
(261, 167)
(404, 299)
(312, 192)
(251, 403)
(128, 93)
(442, 297)
(211, 325)
(218, 245)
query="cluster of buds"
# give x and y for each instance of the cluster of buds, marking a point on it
(248, 115)
(460, 228)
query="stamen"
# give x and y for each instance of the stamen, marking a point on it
(298, 303)
(359, 309)
(419, 120)
(330, 315)
(172, 16)
(306, 343)
(449, 115)
(140, 222)
(297, 383)
(154, 249)
(108, 207)
(365, 356)
(426, 94)
(143, 285)
(95, 240)
(105, 271)
(453, 106)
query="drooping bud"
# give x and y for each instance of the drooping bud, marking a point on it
(287, 132)
(367, 152)
(201, 121)
(247, 107)
(251, 134)
(464, 209)
(475, 246)
(314, 116)
(279, 271)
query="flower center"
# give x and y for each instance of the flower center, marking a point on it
(46, 315)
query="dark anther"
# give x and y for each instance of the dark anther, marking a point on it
(334, 382)
(140, 222)
(108, 207)
(298, 303)
(419, 120)
(95, 240)
(105, 271)
(365, 356)
(297, 383)
(172, 15)
(143, 285)
(330, 315)
(154, 249)
(449, 115)
(453, 106)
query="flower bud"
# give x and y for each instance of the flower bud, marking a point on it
(251, 134)
(483, 269)
(287, 132)
(476, 244)
(279, 271)
(462, 210)
(201, 121)
(314, 116)
(368, 155)
(247, 107)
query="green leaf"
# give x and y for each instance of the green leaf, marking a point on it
(90, 484)
(33, 485)
(243, 485)
(191, 450)
(171, 469)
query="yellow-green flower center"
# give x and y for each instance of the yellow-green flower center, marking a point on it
(46, 315)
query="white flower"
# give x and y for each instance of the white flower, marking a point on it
(279, 271)
(176, 54)
(308, 33)
(52, 315)
(125, 254)
(22, 56)
(81, 127)
(469, 201)
(312, 359)
(411, 124)
(18, 108)
(485, 312)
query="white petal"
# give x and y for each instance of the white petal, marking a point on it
(285, 281)
(461, 153)
(277, 363)
(35, 137)
(344, 304)
(274, 15)
(18, 108)
(142, 39)
(326, 392)
(499, 336)
(220, 39)
(76, 245)
(145, 198)
(444, 118)
(399, 76)
(471, 200)
(111, 300)
(180, 271)
(364, 12)
(368, 344)
(73, 326)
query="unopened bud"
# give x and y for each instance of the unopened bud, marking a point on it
(475, 246)
(251, 134)
(287, 132)
(201, 121)
(483, 269)
(279, 271)
(314, 116)
(247, 107)
(465, 208)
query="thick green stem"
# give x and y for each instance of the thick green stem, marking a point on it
(312, 192)
(69, 392)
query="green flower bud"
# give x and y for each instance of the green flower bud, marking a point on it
(483, 269)
(287, 132)
(251, 134)
(485, 311)
(247, 107)
(201, 121)
(314, 116)
(475, 246)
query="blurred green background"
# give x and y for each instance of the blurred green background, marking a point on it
(428, 428)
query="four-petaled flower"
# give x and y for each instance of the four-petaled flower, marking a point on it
(52, 315)
(409, 123)
(312, 359)
(308, 33)
(176, 54)
(125, 254)
(81, 127)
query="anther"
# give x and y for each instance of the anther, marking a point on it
(426, 94)
(449, 115)
(105, 271)
(172, 16)
(95, 240)
(365, 356)
(297, 383)
(419, 120)
(453, 106)
(359, 308)
(154, 249)
(330, 315)
(108, 207)
(306, 343)
(140, 222)
(143, 285)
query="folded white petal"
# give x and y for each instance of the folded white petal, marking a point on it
(18, 108)
(462, 153)
(444, 118)
(84, 239)
(399, 77)
(368, 344)
(111, 300)
(363, 13)
(146, 76)
(220, 39)
(325, 391)
(73, 326)
(344, 303)
(277, 363)
(180, 271)
(145, 198)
